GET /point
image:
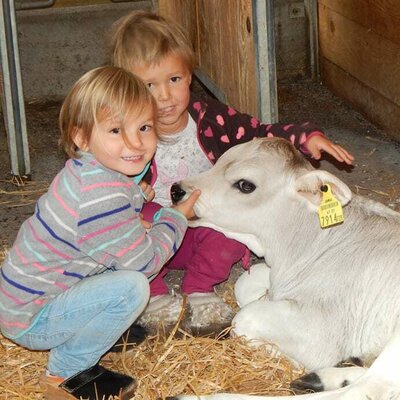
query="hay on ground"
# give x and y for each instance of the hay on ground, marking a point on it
(164, 368)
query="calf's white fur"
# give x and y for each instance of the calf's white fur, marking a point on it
(332, 293)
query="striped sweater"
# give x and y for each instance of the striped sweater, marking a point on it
(88, 222)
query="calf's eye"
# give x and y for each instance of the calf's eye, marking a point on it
(245, 186)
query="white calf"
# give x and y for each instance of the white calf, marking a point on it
(333, 293)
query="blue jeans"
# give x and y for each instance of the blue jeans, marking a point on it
(84, 322)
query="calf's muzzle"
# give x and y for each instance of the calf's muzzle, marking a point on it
(177, 193)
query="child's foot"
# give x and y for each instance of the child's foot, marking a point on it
(94, 383)
(209, 314)
(162, 313)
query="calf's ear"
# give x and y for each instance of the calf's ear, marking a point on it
(308, 187)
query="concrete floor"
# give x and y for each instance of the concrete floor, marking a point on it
(375, 174)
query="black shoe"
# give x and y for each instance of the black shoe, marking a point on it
(94, 383)
(131, 337)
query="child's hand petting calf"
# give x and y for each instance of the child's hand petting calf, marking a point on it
(186, 206)
(316, 144)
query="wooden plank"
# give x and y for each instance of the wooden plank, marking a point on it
(226, 49)
(222, 34)
(380, 16)
(370, 58)
(184, 13)
(377, 108)
(244, 47)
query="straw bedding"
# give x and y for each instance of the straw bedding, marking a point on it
(163, 366)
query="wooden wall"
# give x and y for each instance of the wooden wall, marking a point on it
(360, 56)
(184, 13)
(222, 35)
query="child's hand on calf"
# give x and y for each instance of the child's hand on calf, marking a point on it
(316, 144)
(186, 206)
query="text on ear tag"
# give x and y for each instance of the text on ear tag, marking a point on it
(330, 210)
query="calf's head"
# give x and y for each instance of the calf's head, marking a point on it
(244, 192)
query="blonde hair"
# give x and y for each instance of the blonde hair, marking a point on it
(110, 89)
(145, 37)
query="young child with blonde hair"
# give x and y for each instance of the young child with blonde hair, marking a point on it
(193, 133)
(77, 275)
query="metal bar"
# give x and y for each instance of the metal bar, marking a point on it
(32, 5)
(264, 45)
(311, 7)
(13, 99)
(211, 85)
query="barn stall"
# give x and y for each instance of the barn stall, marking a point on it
(334, 62)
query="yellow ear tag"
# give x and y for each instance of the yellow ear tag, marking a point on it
(330, 210)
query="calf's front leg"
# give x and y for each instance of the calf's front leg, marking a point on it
(253, 284)
(296, 331)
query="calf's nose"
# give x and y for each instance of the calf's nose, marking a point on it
(177, 193)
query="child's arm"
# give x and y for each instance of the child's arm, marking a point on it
(316, 144)
(307, 138)
(111, 233)
(185, 208)
(241, 128)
